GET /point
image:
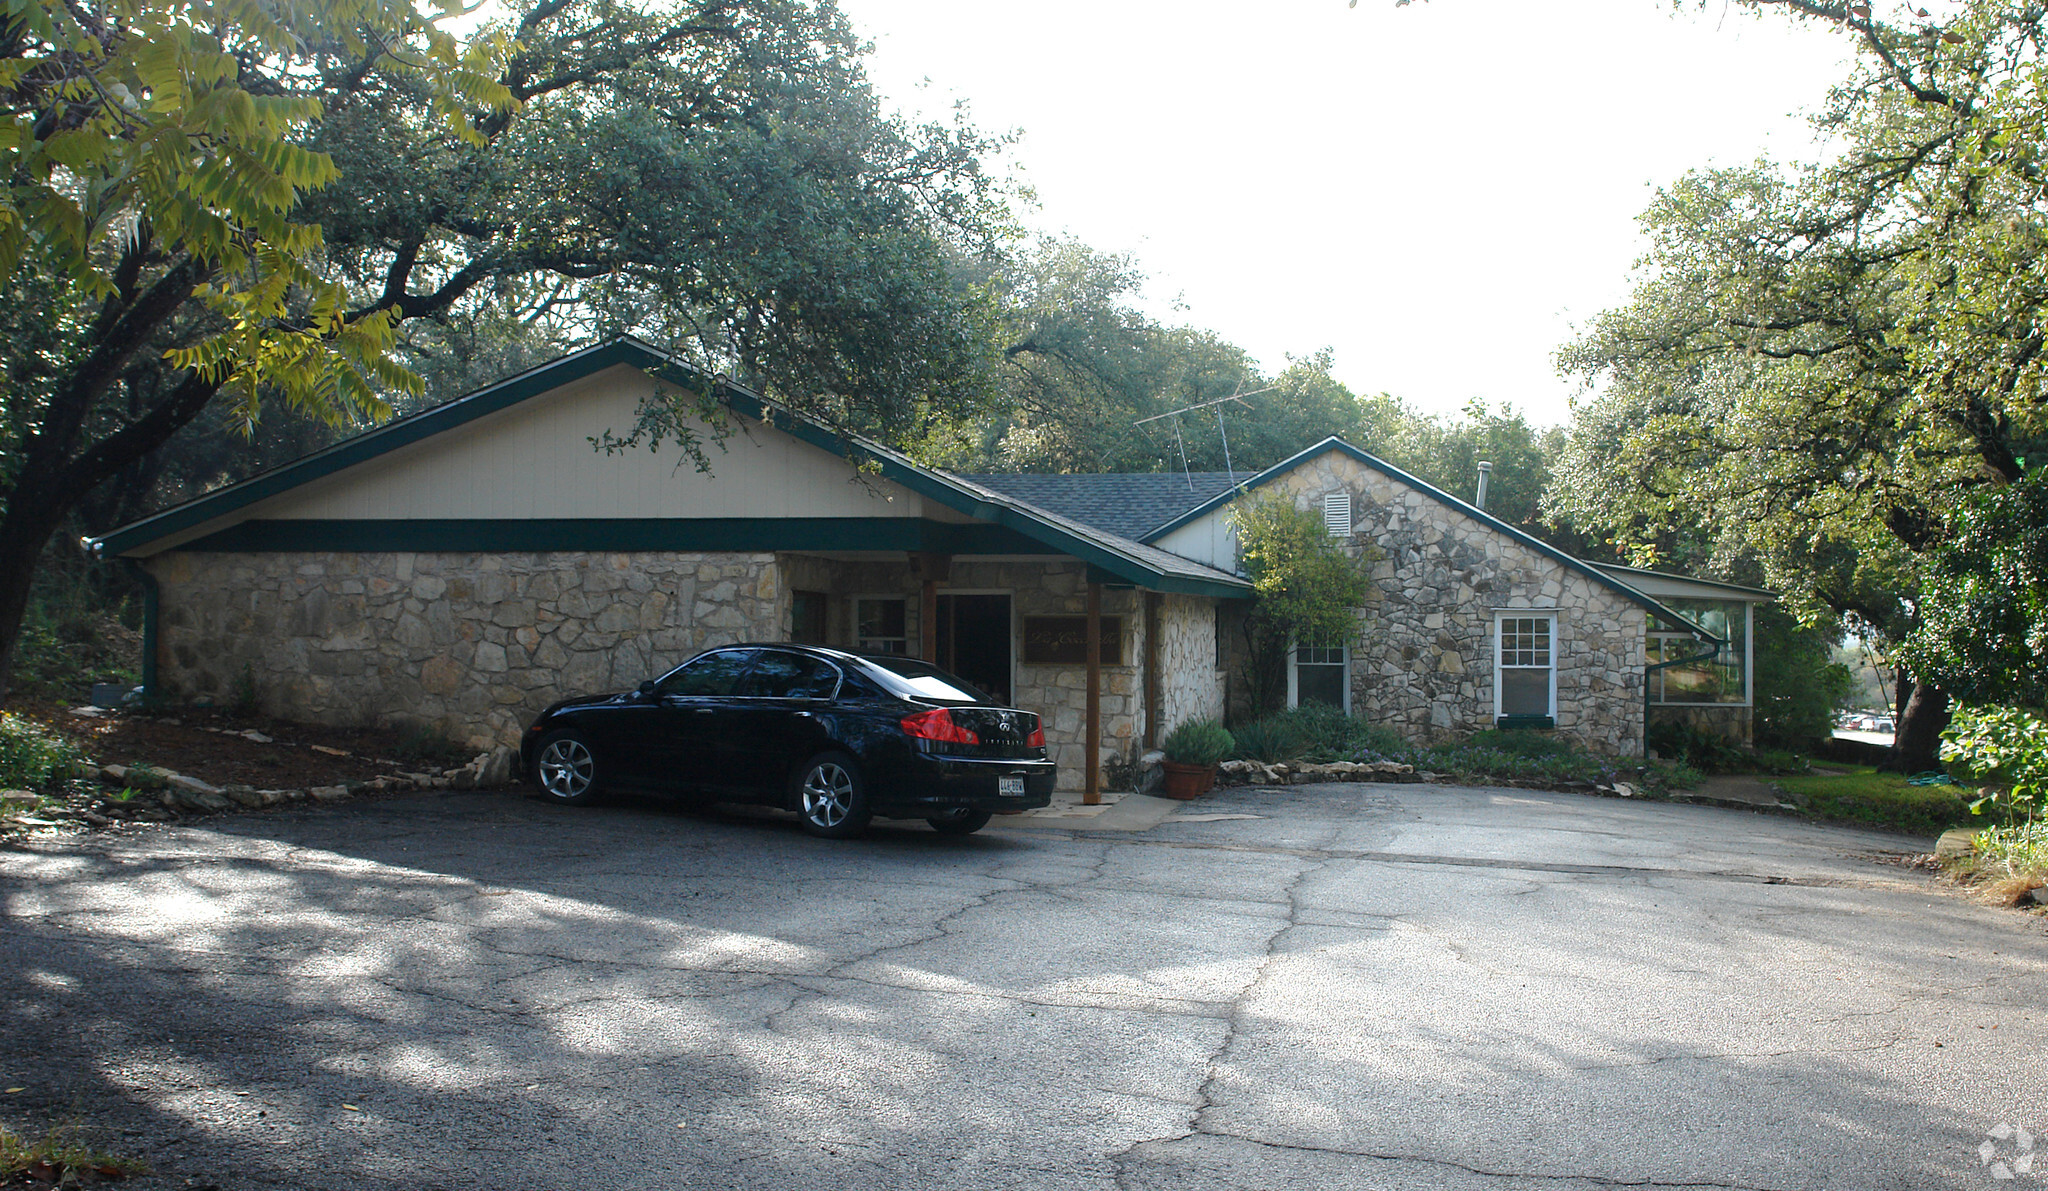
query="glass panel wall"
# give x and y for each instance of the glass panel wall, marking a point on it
(1721, 679)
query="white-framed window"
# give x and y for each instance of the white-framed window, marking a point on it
(1525, 664)
(880, 625)
(1337, 514)
(1319, 674)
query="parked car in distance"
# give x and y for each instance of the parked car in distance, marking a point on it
(837, 737)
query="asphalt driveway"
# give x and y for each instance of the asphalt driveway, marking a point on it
(1363, 986)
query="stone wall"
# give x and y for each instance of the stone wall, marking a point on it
(1423, 660)
(473, 645)
(1193, 688)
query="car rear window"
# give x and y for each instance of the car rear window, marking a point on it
(909, 678)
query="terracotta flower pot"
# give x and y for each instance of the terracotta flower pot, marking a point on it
(1187, 781)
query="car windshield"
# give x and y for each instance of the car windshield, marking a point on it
(911, 679)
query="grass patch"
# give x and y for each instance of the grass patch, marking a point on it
(1867, 797)
(60, 1158)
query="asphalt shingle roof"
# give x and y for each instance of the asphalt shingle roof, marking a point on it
(1129, 505)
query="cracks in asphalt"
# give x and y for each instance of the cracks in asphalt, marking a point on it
(1234, 1026)
(1422, 859)
(1466, 1168)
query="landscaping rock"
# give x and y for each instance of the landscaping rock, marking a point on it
(18, 798)
(497, 769)
(246, 796)
(190, 784)
(327, 793)
(1955, 842)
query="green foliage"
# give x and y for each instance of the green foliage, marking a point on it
(1707, 751)
(1796, 683)
(1269, 739)
(1983, 633)
(2005, 744)
(1307, 588)
(32, 756)
(2012, 850)
(1823, 362)
(1198, 742)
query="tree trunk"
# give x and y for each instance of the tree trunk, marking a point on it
(1922, 714)
(22, 538)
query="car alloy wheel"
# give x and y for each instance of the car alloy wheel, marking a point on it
(568, 771)
(831, 797)
(828, 794)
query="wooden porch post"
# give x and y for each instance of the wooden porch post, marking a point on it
(1091, 790)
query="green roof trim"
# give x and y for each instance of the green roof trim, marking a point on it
(1131, 561)
(613, 534)
(1333, 443)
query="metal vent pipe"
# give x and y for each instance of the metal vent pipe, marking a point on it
(1485, 474)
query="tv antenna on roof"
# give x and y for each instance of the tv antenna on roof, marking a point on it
(1218, 405)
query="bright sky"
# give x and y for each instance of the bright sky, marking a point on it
(1440, 192)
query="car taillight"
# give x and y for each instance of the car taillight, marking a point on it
(937, 724)
(1037, 738)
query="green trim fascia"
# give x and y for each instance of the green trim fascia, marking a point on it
(152, 597)
(404, 432)
(738, 534)
(1480, 515)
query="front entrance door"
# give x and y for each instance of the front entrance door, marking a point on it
(974, 640)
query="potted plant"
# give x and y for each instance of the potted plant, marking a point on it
(1192, 751)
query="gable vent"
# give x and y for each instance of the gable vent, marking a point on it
(1337, 514)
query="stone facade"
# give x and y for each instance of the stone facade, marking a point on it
(472, 645)
(1192, 684)
(1423, 661)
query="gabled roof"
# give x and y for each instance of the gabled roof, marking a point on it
(1117, 557)
(1333, 443)
(1128, 504)
(1647, 578)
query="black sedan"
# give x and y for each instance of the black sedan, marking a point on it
(836, 737)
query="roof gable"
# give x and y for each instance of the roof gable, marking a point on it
(1119, 559)
(1482, 517)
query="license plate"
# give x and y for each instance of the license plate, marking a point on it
(1010, 787)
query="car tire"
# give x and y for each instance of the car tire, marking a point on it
(566, 770)
(960, 822)
(830, 796)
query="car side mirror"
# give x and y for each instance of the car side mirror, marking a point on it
(646, 690)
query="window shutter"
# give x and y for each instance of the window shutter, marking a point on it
(1337, 514)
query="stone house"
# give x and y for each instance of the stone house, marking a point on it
(466, 566)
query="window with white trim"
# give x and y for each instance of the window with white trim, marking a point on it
(1319, 674)
(1337, 514)
(1525, 666)
(879, 626)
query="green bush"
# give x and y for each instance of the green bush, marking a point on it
(32, 756)
(1521, 742)
(1198, 742)
(1699, 748)
(1270, 740)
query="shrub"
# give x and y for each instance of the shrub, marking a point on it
(1520, 742)
(1269, 740)
(1699, 748)
(1198, 742)
(32, 756)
